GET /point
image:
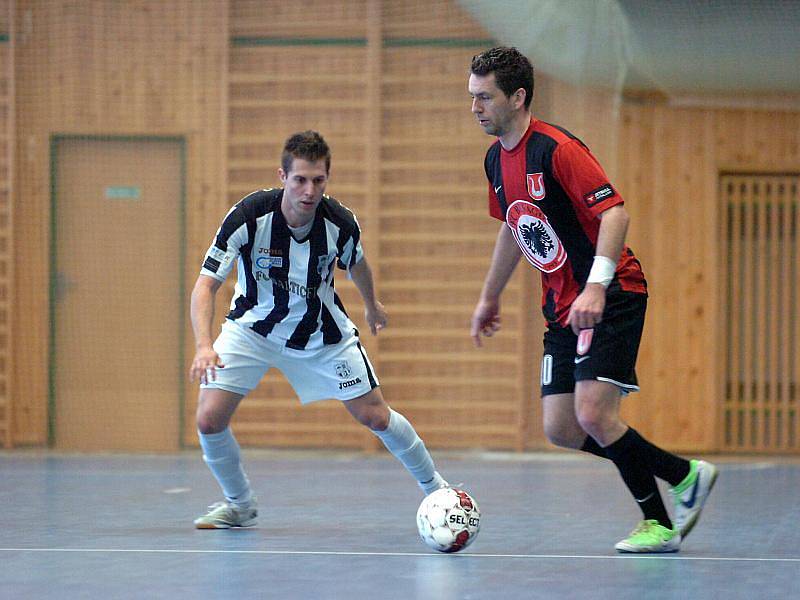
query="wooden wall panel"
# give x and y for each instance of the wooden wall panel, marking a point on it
(407, 158)
(592, 114)
(270, 20)
(670, 161)
(385, 82)
(437, 23)
(290, 74)
(108, 68)
(7, 128)
(436, 244)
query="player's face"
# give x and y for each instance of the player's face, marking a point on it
(303, 186)
(493, 109)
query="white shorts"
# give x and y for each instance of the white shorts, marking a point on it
(341, 371)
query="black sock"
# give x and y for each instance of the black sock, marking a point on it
(664, 465)
(638, 477)
(592, 447)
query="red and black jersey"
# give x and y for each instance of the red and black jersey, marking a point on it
(550, 191)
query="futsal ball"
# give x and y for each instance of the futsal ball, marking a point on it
(448, 519)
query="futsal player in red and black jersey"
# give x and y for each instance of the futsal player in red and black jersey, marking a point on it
(558, 210)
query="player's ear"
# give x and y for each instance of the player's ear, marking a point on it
(282, 174)
(519, 97)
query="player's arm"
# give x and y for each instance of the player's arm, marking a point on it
(486, 317)
(374, 311)
(587, 185)
(206, 360)
(587, 309)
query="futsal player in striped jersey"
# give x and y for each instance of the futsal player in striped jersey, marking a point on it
(559, 210)
(285, 314)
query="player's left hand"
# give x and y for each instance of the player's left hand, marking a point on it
(376, 317)
(587, 309)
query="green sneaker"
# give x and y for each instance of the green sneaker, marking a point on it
(650, 536)
(690, 494)
(224, 515)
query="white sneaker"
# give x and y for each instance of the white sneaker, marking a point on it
(438, 482)
(691, 494)
(224, 515)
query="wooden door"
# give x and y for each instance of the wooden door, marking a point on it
(117, 305)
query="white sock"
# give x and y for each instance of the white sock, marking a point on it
(404, 443)
(221, 454)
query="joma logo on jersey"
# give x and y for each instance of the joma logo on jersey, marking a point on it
(347, 384)
(536, 186)
(270, 251)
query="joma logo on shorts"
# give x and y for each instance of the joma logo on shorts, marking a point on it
(347, 384)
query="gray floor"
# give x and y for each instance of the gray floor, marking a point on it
(340, 525)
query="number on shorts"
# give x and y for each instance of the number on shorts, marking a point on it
(547, 369)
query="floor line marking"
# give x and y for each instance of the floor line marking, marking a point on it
(409, 554)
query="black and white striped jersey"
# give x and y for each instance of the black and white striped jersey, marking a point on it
(284, 288)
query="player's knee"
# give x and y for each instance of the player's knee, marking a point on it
(370, 410)
(559, 440)
(592, 420)
(558, 435)
(374, 418)
(208, 422)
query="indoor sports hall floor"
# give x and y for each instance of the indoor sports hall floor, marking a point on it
(341, 525)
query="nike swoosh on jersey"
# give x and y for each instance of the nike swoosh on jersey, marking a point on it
(498, 188)
(581, 359)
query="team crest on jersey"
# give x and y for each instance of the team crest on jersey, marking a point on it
(343, 370)
(535, 236)
(536, 186)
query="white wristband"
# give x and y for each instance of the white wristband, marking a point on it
(603, 269)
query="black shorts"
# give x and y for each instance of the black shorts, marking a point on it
(611, 356)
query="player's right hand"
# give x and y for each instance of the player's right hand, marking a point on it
(204, 366)
(485, 321)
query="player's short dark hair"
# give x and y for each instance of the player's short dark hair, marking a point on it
(308, 145)
(512, 70)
